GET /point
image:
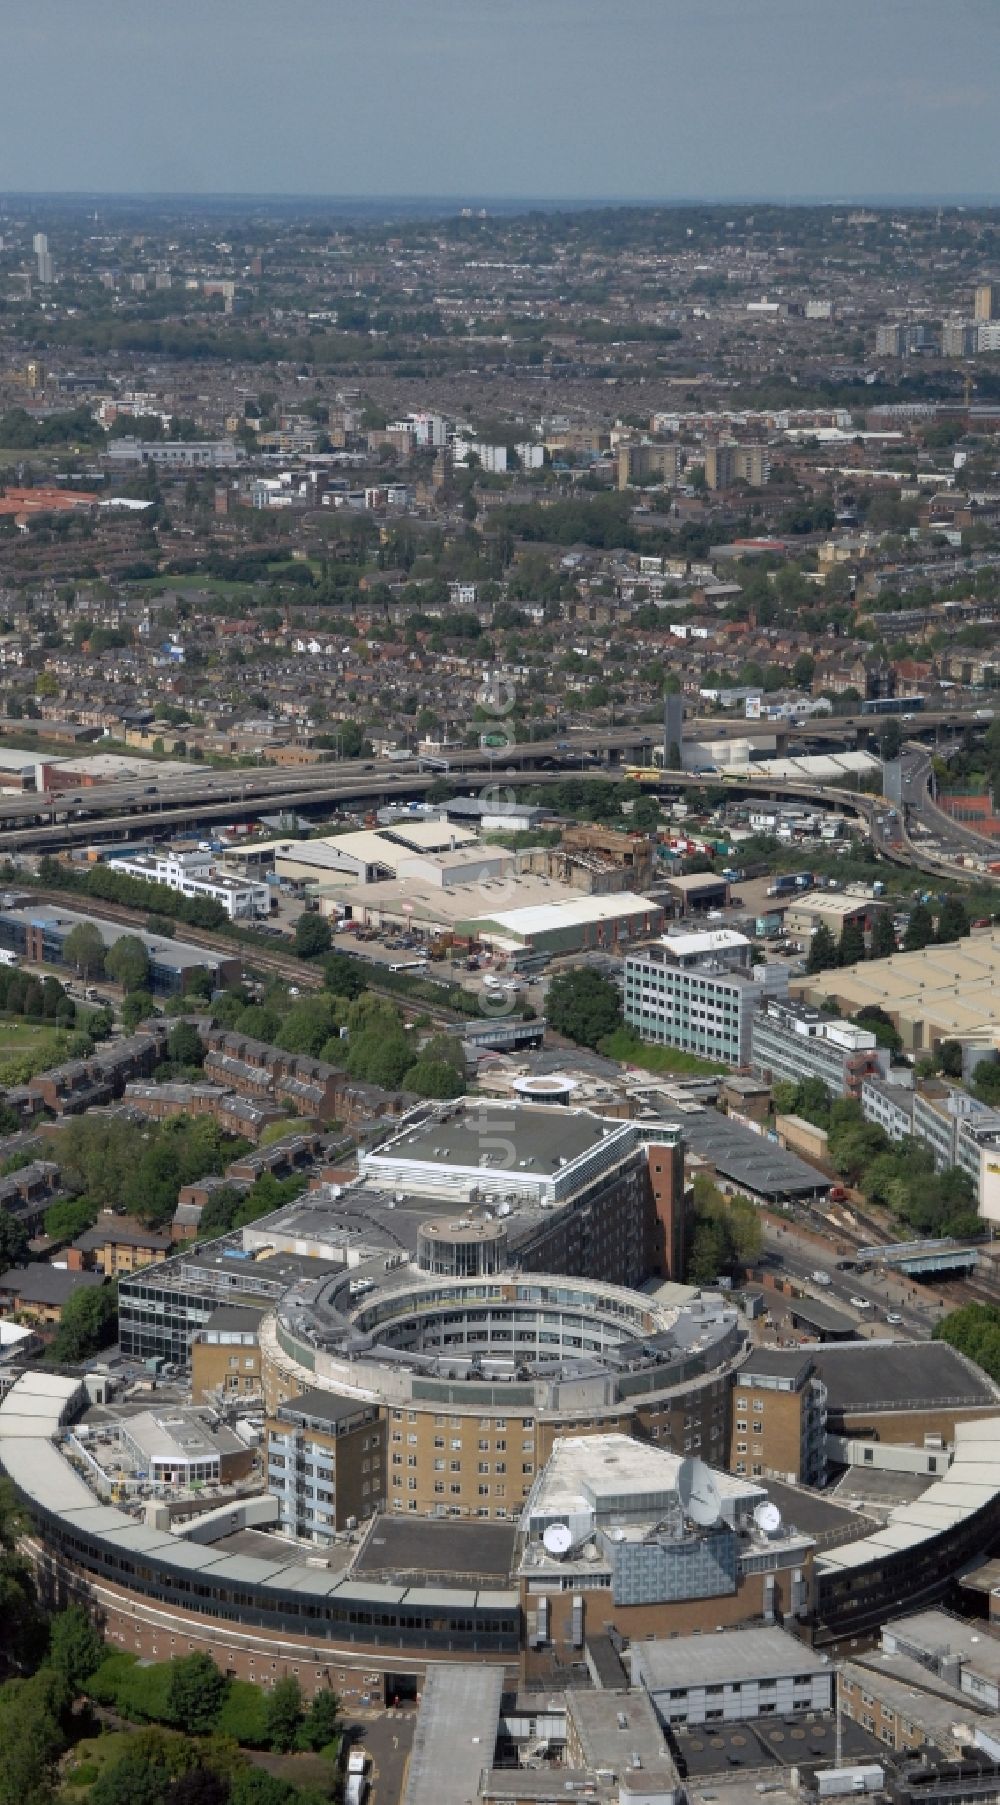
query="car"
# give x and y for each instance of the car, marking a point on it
(819, 1277)
(861, 1303)
(893, 1317)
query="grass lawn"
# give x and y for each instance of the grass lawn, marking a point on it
(11, 455)
(19, 1036)
(628, 1049)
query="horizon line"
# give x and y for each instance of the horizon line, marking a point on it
(787, 202)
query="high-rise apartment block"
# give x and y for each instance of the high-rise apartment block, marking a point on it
(959, 339)
(729, 464)
(986, 301)
(637, 463)
(890, 340)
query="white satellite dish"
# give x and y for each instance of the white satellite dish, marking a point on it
(698, 1493)
(557, 1539)
(767, 1517)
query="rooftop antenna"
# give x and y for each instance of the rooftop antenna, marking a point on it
(698, 1493)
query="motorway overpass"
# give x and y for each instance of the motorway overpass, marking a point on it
(60, 828)
(582, 751)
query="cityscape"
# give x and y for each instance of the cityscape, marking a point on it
(499, 920)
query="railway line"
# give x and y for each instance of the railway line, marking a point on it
(259, 959)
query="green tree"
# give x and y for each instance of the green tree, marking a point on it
(322, 1722)
(137, 1007)
(84, 949)
(708, 1253)
(127, 962)
(185, 1045)
(434, 1078)
(284, 1713)
(951, 1058)
(89, 1321)
(986, 1081)
(309, 1024)
(69, 1218)
(883, 935)
(31, 1737)
(75, 1648)
(974, 1331)
(953, 921)
(13, 1241)
(344, 976)
(851, 950)
(919, 930)
(195, 1694)
(822, 950)
(879, 1023)
(380, 1054)
(313, 936)
(583, 1005)
(140, 1776)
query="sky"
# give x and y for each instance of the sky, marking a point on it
(569, 99)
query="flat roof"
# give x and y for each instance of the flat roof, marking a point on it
(823, 1317)
(439, 1545)
(613, 1727)
(702, 942)
(546, 1138)
(900, 1375)
(455, 1734)
(665, 1662)
(324, 1406)
(695, 881)
(934, 1631)
(820, 902)
(422, 835)
(176, 1433)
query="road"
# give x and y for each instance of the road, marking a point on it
(388, 1738)
(928, 825)
(801, 1257)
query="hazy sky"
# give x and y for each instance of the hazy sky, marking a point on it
(547, 98)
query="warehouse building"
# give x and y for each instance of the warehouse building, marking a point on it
(940, 993)
(571, 924)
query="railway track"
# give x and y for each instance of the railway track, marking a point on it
(261, 960)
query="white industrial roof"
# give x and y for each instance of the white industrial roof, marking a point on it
(704, 941)
(577, 911)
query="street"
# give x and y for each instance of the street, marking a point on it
(801, 1257)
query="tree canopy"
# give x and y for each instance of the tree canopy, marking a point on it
(583, 1005)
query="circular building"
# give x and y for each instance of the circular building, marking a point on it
(475, 1373)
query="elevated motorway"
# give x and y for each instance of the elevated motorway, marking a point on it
(582, 751)
(62, 827)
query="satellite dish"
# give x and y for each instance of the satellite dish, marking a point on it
(557, 1539)
(767, 1517)
(698, 1493)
